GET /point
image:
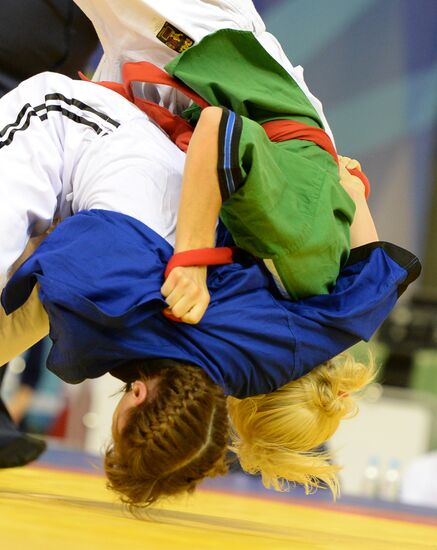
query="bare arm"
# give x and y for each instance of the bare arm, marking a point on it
(363, 230)
(200, 200)
(23, 328)
(29, 324)
(185, 289)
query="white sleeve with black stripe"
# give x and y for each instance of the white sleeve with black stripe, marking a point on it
(46, 124)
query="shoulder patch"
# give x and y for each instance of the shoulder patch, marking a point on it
(174, 38)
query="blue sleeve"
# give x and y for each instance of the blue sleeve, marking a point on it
(366, 291)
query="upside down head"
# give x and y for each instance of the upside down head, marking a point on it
(174, 427)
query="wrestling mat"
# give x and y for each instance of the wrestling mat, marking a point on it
(43, 507)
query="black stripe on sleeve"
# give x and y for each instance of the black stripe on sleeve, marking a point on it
(228, 167)
(19, 118)
(400, 255)
(72, 116)
(24, 126)
(235, 152)
(83, 107)
(223, 183)
(22, 122)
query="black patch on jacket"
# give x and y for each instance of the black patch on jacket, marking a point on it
(174, 38)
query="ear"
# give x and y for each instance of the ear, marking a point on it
(139, 392)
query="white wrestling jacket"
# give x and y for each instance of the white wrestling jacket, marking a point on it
(157, 30)
(67, 146)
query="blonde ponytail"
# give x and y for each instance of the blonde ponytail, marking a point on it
(276, 434)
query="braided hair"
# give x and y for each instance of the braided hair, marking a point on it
(173, 440)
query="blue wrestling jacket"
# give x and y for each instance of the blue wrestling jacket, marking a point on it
(100, 275)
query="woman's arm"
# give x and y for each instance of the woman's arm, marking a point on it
(185, 289)
(28, 324)
(363, 230)
(23, 328)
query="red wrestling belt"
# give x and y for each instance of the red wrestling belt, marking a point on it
(200, 257)
(180, 131)
(177, 128)
(283, 130)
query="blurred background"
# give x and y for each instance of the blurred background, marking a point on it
(373, 64)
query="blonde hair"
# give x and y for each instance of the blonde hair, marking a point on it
(276, 434)
(172, 441)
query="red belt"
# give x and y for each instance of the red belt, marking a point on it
(283, 130)
(180, 131)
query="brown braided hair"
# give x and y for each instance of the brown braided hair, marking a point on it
(173, 440)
